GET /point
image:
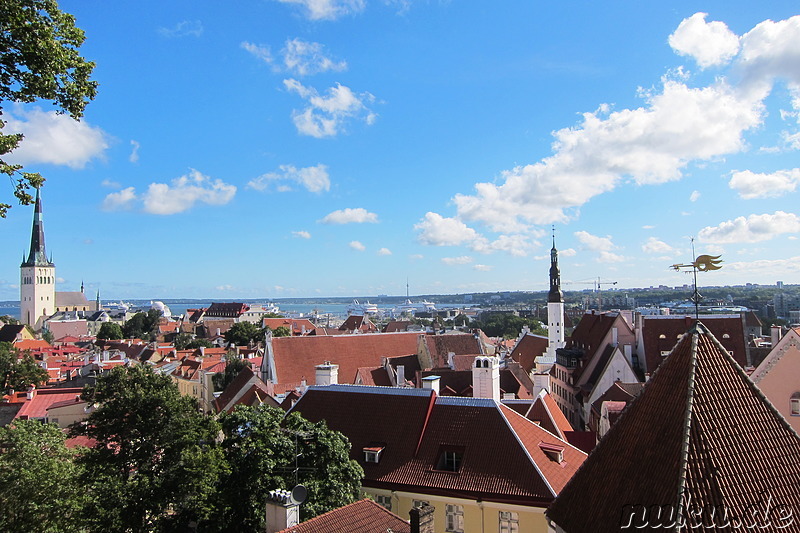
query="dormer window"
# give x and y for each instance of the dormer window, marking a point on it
(372, 454)
(554, 452)
(794, 404)
(450, 458)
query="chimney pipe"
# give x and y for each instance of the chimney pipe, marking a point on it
(422, 518)
(431, 382)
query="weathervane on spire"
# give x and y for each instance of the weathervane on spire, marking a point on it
(703, 263)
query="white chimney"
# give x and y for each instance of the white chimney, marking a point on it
(541, 381)
(775, 333)
(327, 374)
(401, 375)
(486, 377)
(282, 511)
(202, 351)
(105, 355)
(431, 382)
(451, 360)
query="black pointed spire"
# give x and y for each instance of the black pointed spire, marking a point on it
(555, 295)
(37, 255)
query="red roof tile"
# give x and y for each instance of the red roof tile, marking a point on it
(364, 516)
(700, 429)
(43, 399)
(528, 349)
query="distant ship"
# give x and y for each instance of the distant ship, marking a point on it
(414, 307)
(360, 309)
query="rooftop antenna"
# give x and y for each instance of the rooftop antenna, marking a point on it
(703, 263)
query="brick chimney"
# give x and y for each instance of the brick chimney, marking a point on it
(422, 519)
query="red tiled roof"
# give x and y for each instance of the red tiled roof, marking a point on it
(439, 346)
(31, 344)
(298, 326)
(227, 310)
(297, 357)
(364, 516)
(44, 399)
(700, 430)
(528, 349)
(360, 323)
(459, 382)
(397, 325)
(727, 329)
(501, 456)
(545, 411)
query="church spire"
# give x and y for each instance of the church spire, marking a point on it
(555, 295)
(37, 255)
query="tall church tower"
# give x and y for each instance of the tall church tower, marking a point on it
(37, 288)
(555, 314)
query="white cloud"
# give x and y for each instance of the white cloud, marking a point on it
(359, 215)
(436, 230)
(694, 196)
(648, 227)
(770, 51)
(656, 246)
(110, 184)
(773, 267)
(225, 287)
(384, 251)
(461, 260)
(647, 145)
(328, 9)
(356, 245)
(709, 43)
(754, 228)
(302, 234)
(53, 138)
(60, 280)
(751, 185)
(305, 57)
(601, 245)
(314, 179)
(569, 252)
(262, 52)
(416, 257)
(183, 192)
(482, 268)
(121, 200)
(185, 28)
(326, 116)
(134, 157)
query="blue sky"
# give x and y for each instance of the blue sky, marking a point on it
(283, 148)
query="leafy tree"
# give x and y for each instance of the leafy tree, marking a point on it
(47, 336)
(273, 315)
(233, 365)
(261, 447)
(243, 333)
(282, 331)
(8, 319)
(182, 340)
(19, 373)
(142, 325)
(155, 453)
(110, 331)
(39, 60)
(199, 343)
(508, 325)
(40, 479)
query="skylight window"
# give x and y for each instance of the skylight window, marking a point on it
(450, 459)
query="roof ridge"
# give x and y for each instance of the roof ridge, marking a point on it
(524, 448)
(687, 423)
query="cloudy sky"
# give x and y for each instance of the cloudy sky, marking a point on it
(277, 148)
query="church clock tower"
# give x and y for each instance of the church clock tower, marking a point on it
(37, 291)
(555, 314)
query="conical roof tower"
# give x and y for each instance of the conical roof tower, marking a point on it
(37, 255)
(701, 443)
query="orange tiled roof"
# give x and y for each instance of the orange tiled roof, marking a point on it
(364, 516)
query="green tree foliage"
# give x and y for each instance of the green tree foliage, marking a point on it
(199, 343)
(19, 373)
(110, 331)
(155, 462)
(47, 336)
(273, 315)
(142, 325)
(39, 480)
(8, 319)
(233, 365)
(508, 326)
(243, 333)
(282, 331)
(182, 340)
(39, 60)
(261, 448)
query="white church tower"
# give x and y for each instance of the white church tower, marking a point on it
(37, 288)
(555, 315)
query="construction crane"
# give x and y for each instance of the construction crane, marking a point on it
(597, 285)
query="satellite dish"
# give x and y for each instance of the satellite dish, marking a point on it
(299, 494)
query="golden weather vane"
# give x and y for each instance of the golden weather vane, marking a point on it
(702, 263)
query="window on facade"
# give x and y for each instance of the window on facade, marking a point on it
(416, 504)
(385, 501)
(509, 522)
(450, 459)
(794, 404)
(454, 519)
